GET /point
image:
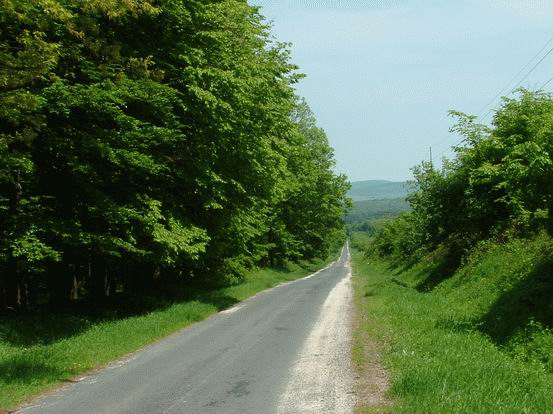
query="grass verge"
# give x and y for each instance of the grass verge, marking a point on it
(439, 357)
(39, 351)
(369, 343)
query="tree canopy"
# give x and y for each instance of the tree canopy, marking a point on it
(499, 184)
(144, 142)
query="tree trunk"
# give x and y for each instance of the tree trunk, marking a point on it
(99, 282)
(3, 303)
(141, 278)
(62, 284)
(14, 292)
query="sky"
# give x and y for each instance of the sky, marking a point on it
(381, 75)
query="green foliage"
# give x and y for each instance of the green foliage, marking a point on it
(500, 182)
(375, 209)
(130, 158)
(397, 238)
(360, 240)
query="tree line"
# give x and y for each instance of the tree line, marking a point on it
(149, 142)
(498, 186)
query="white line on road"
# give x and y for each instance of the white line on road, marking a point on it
(232, 310)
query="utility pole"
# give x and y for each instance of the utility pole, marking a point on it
(431, 163)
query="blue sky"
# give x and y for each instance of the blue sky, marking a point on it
(382, 74)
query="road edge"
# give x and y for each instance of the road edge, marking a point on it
(120, 361)
(372, 379)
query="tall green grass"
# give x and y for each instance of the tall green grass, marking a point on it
(40, 350)
(478, 342)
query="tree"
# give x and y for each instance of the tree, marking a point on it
(146, 143)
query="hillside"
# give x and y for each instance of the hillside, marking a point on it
(376, 200)
(377, 190)
(376, 209)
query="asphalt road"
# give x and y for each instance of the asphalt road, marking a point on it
(285, 350)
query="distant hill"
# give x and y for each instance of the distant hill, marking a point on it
(376, 209)
(378, 190)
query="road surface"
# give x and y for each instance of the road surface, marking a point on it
(285, 350)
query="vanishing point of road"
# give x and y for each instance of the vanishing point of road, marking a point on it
(285, 350)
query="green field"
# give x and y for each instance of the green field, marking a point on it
(479, 342)
(40, 350)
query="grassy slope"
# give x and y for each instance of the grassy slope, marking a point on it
(40, 351)
(478, 343)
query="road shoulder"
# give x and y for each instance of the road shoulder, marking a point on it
(372, 380)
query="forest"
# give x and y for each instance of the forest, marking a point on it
(363, 213)
(149, 144)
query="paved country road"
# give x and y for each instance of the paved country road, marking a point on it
(285, 350)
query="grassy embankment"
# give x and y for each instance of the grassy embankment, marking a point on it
(38, 351)
(476, 341)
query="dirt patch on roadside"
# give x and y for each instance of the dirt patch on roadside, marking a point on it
(372, 380)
